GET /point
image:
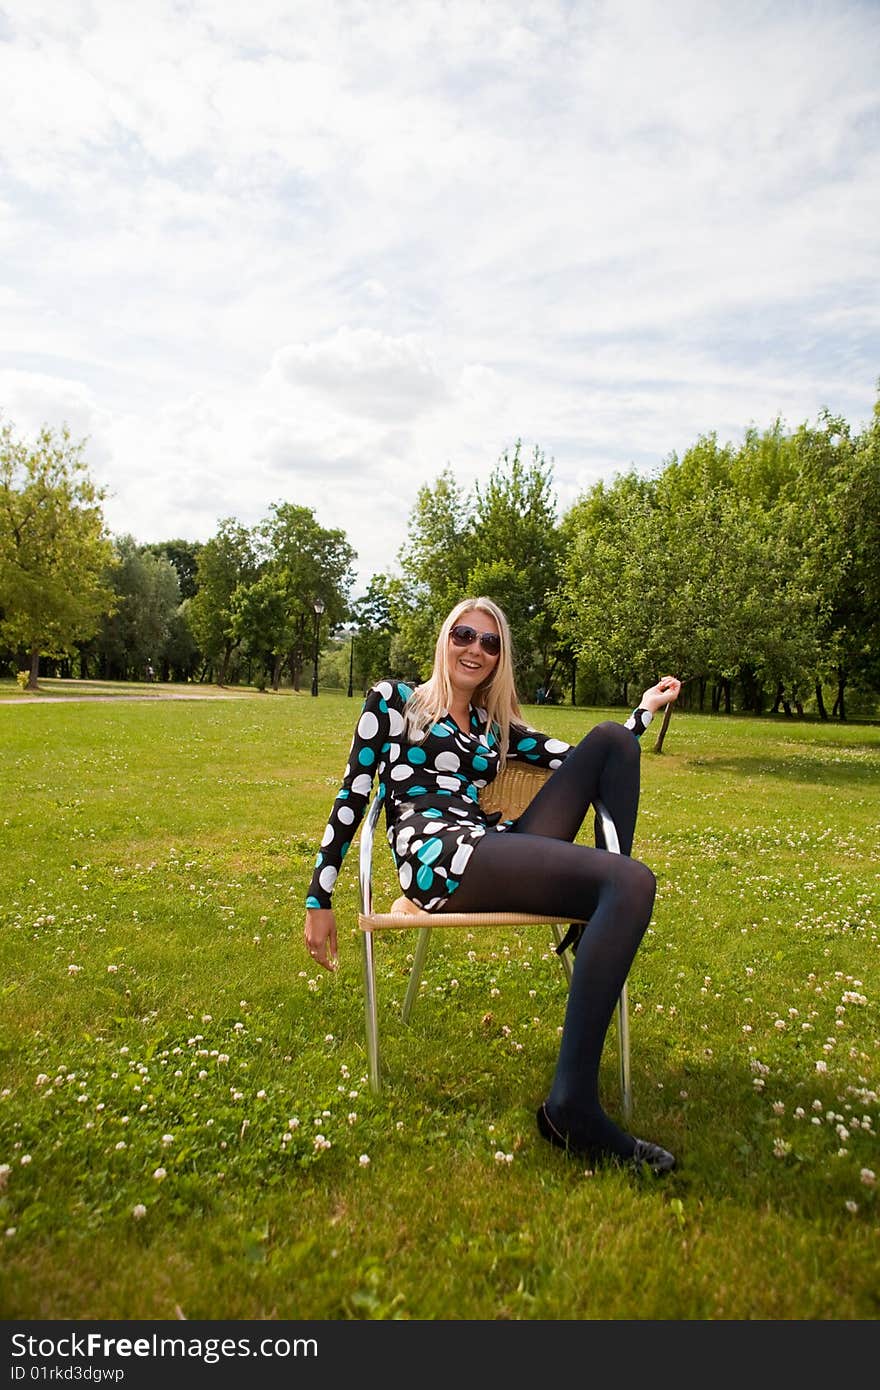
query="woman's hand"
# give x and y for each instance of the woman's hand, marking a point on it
(320, 936)
(663, 693)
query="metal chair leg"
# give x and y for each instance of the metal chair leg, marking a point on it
(623, 1052)
(371, 1013)
(412, 989)
(565, 957)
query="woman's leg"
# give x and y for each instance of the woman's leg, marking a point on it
(515, 871)
(604, 765)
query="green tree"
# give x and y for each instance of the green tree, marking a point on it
(224, 562)
(373, 618)
(184, 556)
(54, 550)
(435, 562)
(147, 592)
(501, 540)
(517, 548)
(307, 561)
(260, 622)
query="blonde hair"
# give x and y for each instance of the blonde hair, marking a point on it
(497, 695)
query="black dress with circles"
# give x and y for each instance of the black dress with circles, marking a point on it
(431, 784)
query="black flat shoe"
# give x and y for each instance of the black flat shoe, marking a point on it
(645, 1154)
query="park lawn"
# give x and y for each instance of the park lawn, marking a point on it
(185, 1122)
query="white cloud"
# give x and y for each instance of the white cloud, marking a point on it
(287, 251)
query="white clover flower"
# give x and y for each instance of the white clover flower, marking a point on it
(159, 1174)
(501, 1157)
(852, 1207)
(25, 1160)
(293, 1123)
(320, 1143)
(112, 969)
(74, 969)
(778, 1107)
(364, 1160)
(5, 1170)
(139, 1211)
(10, 1231)
(821, 1066)
(351, 1117)
(167, 1138)
(781, 1147)
(868, 1177)
(41, 1079)
(121, 1144)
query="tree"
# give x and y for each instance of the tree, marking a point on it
(500, 540)
(184, 556)
(435, 562)
(516, 548)
(225, 561)
(375, 624)
(54, 550)
(147, 602)
(306, 561)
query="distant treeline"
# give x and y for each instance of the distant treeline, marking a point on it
(751, 571)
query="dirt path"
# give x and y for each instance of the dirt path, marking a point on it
(40, 699)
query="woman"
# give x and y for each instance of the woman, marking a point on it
(433, 748)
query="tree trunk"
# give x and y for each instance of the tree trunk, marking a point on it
(702, 692)
(839, 706)
(33, 675)
(276, 672)
(224, 664)
(820, 703)
(667, 715)
(726, 685)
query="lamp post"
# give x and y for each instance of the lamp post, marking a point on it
(318, 606)
(351, 667)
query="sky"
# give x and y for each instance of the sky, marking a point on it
(264, 251)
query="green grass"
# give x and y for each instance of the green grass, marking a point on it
(153, 865)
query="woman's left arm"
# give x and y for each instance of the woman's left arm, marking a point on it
(657, 696)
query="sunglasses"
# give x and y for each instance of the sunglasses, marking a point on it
(462, 636)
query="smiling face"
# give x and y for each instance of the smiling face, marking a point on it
(471, 666)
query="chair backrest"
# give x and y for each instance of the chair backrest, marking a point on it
(513, 789)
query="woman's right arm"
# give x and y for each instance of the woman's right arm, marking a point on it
(346, 814)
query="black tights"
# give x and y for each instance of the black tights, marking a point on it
(536, 868)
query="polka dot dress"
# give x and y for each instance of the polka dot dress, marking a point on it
(431, 783)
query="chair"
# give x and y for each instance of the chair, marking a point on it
(510, 793)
